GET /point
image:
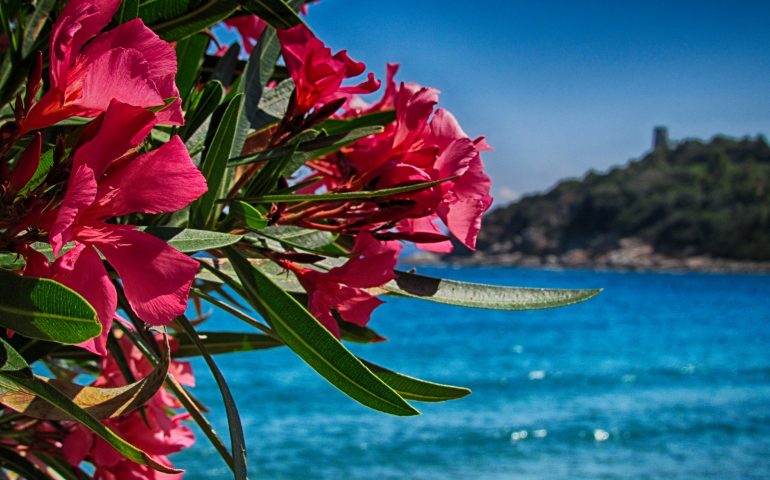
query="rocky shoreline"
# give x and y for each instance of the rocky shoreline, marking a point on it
(630, 255)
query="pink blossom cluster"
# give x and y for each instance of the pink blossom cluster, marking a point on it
(113, 76)
(124, 79)
(424, 144)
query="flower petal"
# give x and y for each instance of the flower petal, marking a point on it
(466, 203)
(163, 180)
(78, 22)
(156, 277)
(82, 270)
(109, 137)
(132, 64)
(121, 128)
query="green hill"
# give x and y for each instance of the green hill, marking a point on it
(693, 198)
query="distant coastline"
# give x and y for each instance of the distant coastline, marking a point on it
(684, 206)
(631, 255)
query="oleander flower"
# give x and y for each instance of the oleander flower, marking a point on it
(108, 180)
(129, 63)
(343, 289)
(317, 74)
(423, 144)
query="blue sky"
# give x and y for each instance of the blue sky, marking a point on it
(562, 87)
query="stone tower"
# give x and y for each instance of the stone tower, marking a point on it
(660, 138)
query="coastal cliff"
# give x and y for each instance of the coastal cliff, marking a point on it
(691, 205)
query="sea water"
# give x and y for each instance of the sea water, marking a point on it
(660, 376)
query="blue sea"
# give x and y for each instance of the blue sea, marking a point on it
(660, 376)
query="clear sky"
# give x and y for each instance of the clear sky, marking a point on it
(559, 88)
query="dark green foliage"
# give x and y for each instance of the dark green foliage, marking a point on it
(696, 198)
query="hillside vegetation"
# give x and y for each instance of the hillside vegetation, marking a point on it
(693, 198)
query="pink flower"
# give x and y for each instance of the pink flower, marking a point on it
(108, 181)
(423, 144)
(249, 27)
(129, 63)
(343, 288)
(317, 74)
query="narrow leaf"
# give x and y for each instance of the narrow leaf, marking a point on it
(203, 211)
(335, 126)
(47, 392)
(202, 16)
(10, 359)
(201, 108)
(224, 70)
(191, 240)
(416, 389)
(273, 104)
(129, 10)
(46, 310)
(189, 54)
(99, 402)
(313, 343)
(224, 342)
(45, 165)
(277, 13)
(248, 215)
(34, 26)
(477, 295)
(345, 196)
(188, 401)
(259, 70)
(233, 418)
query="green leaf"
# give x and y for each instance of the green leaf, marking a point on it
(101, 403)
(224, 69)
(201, 107)
(250, 216)
(273, 104)
(313, 343)
(10, 359)
(129, 10)
(416, 389)
(34, 26)
(176, 22)
(189, 54)
(326, 145)
(353, 333)
(335, 126)
(233, 418)
(46, 310)
(304, 238)
(225, 342)
(295, 155)
(190, 240)
(204, 211)
(484, 296)
(259, 70)
(21, 381)
(277, 13)
(11, 261)
(43, 167)
(345, 196)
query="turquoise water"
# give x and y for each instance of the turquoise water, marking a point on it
(661, 376)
